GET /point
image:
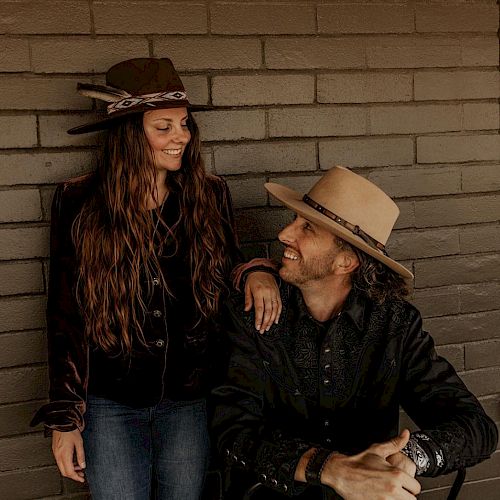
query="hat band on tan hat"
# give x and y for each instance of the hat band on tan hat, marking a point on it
(350, 227)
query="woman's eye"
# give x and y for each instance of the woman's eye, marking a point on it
(164, 129)
(184, 125)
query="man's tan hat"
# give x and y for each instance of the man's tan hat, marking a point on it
(351, 207)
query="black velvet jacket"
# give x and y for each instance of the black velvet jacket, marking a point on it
(341, 389)
(180, 362)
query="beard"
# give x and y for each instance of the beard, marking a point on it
(301, 272)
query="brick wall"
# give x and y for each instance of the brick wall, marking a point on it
(403, 91)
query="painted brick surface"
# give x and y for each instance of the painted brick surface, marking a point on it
(405, 93)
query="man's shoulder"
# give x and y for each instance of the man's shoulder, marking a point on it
(393, 316)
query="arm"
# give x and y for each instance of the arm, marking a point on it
(455, 431)
(259, 276)
(67, 349)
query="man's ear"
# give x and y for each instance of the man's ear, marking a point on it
(346, 262)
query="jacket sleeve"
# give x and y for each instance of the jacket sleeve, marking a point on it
(455, 431)
(245, 438)
(67, 348)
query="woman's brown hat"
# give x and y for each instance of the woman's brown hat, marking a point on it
(349, 206)
(135, 86)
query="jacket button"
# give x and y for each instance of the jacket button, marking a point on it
(263, 477)
(328, 441)
(327, 350)
(326, 381)
(157, 313)
(327, 366)
(326, 423)
(274, 482)
(156, 281)
(285, 487)
(160, 343)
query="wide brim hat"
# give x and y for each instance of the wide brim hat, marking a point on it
(349, 206)
(135, 86)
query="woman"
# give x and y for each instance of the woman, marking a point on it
(141, 252)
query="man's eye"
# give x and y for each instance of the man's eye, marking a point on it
(307, 226)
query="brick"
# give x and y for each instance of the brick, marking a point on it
(15, 418)
(365, 19)
(481, 178)
(454, 354)
(271, 18)
(262, 224)
(364, 87)
(464, 328)
(302, 184)
(470, 491)
(481, 116)
(415, 119)
(21, 278)
(438, 301)
(439, 85)
(22, 348)
(248, 192)
(262, 89)
(41, 93)
(95, 55)
(491, 405)
(47, 194)
(452, 211)
(20, 205)
(14, 54)
(27, 313)
(440, 18)
(480, 297)
(483, 381)
(480, 239)
(118, 16)
(231, 125)
(32, 483)
(480, 51)
(210, 53)
(457, 270)
(24, 243)
(53, 130)
(25, 451)
(366, 152)
(441, 149)
(420, 244)
(265, 157)
(52, 16)
(43, 168)
(18, 131)
(482, 354)
(23, 384)
(196, 88)
(406, 214)
(417, 181)
(314, 122)
(413, 52)
(304, 53)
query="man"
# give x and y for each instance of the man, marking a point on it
(303, 406)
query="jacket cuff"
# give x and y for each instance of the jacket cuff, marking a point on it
(431, 451)
(274, 463)
(62, 416)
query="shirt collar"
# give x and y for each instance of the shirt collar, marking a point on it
(354, 307)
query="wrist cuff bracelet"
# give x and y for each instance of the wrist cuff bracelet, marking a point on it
(316, 464)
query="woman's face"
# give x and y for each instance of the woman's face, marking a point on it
(168, 135)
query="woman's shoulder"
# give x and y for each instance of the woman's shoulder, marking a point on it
(70, 194)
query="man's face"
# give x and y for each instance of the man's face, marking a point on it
(309, 254)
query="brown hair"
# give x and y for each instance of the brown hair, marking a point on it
(114, 235)
(373, 278)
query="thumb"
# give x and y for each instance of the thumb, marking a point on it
(248, 298)
(394, 445)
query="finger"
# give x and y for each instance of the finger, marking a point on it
(280, 308)
(392, 446)
(248, 298)
(411, 484)
(259, 312)
(67, 468)
(80, 454)
(268, 310)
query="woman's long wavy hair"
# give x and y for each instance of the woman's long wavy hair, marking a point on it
(114, 236)
(375, 279)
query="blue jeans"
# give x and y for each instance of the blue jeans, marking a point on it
(126, 448)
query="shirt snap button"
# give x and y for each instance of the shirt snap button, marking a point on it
(327, 366)
(156, 281)
(157, 313)
(326, 381)
(327, 350)
(160, 343)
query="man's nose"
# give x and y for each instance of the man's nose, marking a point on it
(286, 235)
